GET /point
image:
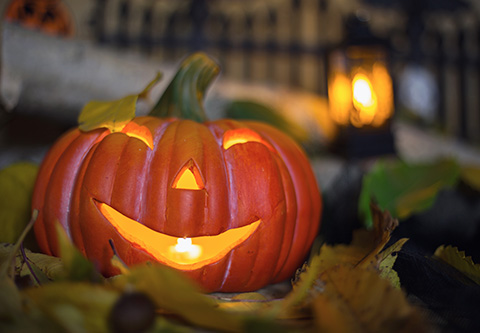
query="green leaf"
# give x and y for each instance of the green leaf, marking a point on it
(452, 256)
(10, 299)
(75, 306)
(184, 96)
(173, 292)
(77, 267)
(16, 188)
(404, 189)
(18, 315)
(113, 115)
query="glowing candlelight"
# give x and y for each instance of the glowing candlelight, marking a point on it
(187, 249)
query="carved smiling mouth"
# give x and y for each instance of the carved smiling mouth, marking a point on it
(181, 253)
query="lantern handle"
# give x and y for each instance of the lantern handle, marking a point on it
(184, 96)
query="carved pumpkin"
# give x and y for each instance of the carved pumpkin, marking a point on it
(234, 205)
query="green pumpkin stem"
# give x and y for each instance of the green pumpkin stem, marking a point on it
(184, 96)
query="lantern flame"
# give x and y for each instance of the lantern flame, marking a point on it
(366, 99)
(362, 92)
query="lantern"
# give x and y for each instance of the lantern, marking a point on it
(360, 93)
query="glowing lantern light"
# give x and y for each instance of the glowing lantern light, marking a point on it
(362, 96)
(360, 91)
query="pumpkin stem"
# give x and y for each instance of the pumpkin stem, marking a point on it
(184, 96)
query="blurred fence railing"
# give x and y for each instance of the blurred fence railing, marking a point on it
(435, 54)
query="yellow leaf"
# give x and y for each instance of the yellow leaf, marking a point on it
(45, 267)
(173, 292)
(452, 256)
(387, 260)
(365, 246)
(364, 251)
(359, 300)
(75, 306)
(113, 115)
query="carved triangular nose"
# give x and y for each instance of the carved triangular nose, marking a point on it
(188, 178)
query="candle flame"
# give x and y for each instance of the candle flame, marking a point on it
(185, 247)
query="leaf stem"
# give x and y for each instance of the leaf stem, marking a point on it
(26, 260)
(9, 269)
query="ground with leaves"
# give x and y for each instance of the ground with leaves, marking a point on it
(377, 281)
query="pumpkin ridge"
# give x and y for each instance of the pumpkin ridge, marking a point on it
(100, 151)
(157, 133)
(123, 175)
(77, 234)
(39, 199)
(73, 172)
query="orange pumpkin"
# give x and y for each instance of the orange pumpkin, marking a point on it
(235, 205)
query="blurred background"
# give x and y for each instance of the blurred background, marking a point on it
(413, 60)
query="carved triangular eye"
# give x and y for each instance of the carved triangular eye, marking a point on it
(188, 178)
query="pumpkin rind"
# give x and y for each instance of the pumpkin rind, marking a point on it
(242, 184)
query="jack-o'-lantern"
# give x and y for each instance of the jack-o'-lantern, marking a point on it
(234, 205)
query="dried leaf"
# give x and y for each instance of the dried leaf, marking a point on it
(293, 305)
(173, 292)
(7, 267)
(364, 251)
(388, 258)
(452, 256)
(51, 267)
(16, 186)
(40, 266)
(113, 115)
(245, 303)
(403, 188)
(359, 300)
(365, 246)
